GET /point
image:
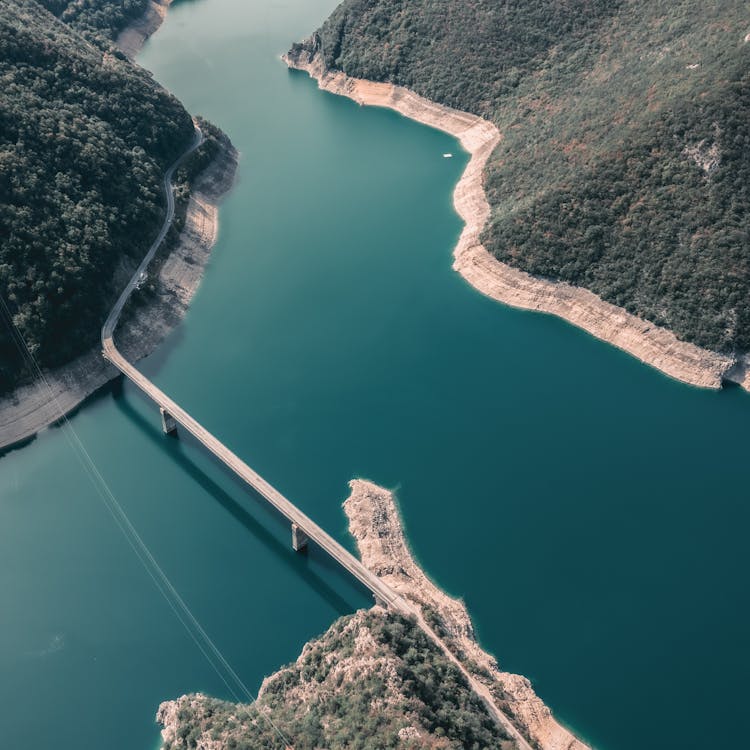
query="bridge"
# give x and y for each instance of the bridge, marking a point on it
(303, 528)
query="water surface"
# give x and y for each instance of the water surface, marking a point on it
(591, 512)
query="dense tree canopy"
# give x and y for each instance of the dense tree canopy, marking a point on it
(85, 137)
(373, 681)
(99, 17)
(625, 159)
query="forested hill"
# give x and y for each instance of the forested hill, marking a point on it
(85, 138)
(625, 160)
(102, 18)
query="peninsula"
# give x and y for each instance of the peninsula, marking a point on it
(105, 237)
(375, 678)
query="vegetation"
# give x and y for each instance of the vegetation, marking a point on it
(372, 681)
(85, 138)
(625, 159)
(102, 18)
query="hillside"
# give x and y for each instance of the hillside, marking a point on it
(85, 137)
(326, 698)
(102, 18)
(625, 159)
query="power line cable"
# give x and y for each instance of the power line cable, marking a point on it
(178, 605)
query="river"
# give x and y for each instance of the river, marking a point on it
(591, 512)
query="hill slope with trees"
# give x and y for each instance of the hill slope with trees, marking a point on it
(625, 161)
(373, 681)
(85, 137)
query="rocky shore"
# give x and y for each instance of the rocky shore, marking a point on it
(131, 39)
(650, 343)
(375, 524)
(32, 407)
(335, 671)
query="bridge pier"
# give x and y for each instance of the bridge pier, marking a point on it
(168, 423)
(380, 602)
(299, 538)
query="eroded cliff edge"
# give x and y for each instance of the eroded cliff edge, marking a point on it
(378, 675)
(644, 340)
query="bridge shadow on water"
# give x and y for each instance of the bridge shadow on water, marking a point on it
(305, 564)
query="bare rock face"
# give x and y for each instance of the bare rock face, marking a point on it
(375, 524)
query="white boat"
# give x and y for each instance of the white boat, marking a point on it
(447, 156)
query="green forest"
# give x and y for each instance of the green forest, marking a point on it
(85, 137)
(402, 693)
(625, 160)
(102, 18)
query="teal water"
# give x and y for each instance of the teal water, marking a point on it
(592, 513)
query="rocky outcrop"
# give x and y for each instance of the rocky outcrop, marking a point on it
(650, 343)
(375, 524)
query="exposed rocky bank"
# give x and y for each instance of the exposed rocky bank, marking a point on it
(131, 39)
(360, 669)
(650, 343)
(34, 406)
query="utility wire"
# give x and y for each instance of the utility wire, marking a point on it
(182, 611)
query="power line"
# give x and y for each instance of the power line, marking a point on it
(182, 611)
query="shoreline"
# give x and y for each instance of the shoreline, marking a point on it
(655, 346)
(31, 408)
(131, 39)
(375, 524)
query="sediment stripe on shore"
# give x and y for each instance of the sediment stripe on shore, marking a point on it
(652, 344)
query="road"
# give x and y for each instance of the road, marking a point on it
(383, 594)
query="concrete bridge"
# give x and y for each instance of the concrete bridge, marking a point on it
(303, 528)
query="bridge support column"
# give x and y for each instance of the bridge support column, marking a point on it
(380, 602)
(299, 538)
(167, 421)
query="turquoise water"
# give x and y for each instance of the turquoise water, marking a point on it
(591, 512)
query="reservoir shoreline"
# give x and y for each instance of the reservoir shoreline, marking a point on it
(651, 344)
(34, 406)
(375, 524)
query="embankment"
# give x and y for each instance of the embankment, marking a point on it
(131, 39)
(650, 343)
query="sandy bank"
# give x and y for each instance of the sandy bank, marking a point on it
(131, 39)
(651, 344)
(375, 524)
(32, 407)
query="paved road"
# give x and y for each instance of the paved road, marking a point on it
(110, 324)
(383, 593)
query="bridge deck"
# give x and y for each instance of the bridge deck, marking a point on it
(380, 590)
